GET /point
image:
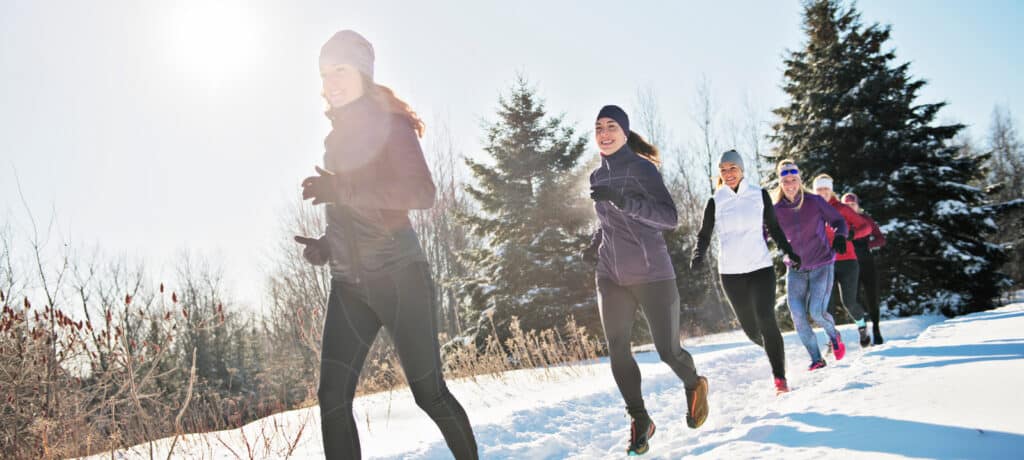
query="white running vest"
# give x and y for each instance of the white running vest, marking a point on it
(739, 224)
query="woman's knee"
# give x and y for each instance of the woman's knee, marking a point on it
(333, 401)
(430, 394)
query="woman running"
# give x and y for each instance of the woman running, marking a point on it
(738, 213)
(868, 276)
(844, 289)
(804, 217)
(375, 173)
(634, 269)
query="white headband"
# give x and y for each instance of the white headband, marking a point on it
(823, 182)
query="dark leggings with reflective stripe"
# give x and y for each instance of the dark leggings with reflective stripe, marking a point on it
(752, 296)
(660, 303)
(402, 303)
(845, 290)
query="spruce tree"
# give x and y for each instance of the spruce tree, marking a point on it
(853, 113)
(533, 217)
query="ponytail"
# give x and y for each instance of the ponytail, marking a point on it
(386, 97)
(641, 147)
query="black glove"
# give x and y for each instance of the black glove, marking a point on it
(839, 244)
(794, 261)
(321, 188)
(317, 250)
(606, 193)
(697, 261)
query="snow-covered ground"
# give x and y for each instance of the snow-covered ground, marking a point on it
(935, 389)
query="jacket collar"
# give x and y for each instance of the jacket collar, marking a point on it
(359, 107)
(741, 189)
(785, 203)
(621, 156)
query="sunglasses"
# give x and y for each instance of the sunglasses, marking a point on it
(786, 172)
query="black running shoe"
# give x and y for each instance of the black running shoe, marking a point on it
(865, 339)
(641, 430)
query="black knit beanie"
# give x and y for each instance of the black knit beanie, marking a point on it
(615, 113)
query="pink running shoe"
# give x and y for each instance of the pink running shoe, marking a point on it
(780, 386)
(838, 348)
(816, 365)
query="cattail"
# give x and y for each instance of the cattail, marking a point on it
(108, 316)
(88, 325)
(27, 304)
(184, 313)
(174, 297)
(167, 316)
(127, 299)
(1, 295)
(161, 288)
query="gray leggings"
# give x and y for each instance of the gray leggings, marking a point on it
(400, 302)
(660, 302)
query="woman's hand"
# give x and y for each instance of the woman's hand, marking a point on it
(317, 251)
(606, 193)
(321, 188)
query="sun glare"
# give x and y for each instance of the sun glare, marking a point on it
(213, 41)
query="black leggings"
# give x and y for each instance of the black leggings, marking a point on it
(845, 289)
(660, 302)
(869, 281)
(401, 302)
(752, 296)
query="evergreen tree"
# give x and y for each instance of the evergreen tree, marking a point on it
(1006, 187)
(853, 114)
(534, 219)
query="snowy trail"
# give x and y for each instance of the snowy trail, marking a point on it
(935, 389)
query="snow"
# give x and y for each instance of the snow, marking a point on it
(947, 208)
(936, 389)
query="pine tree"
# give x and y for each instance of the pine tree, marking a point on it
(534, 219)
(1006, 187)
(853, 114)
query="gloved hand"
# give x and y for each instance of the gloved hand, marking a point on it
(794, 261)
(317, 251)
(697, 261)
(322, 188)
(839, 244)
(606, 193)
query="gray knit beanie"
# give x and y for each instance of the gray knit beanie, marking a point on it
(732, 156)
(348, 47)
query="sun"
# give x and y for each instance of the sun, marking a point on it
(213, 42)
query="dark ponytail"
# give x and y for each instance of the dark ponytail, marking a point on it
(641, 147)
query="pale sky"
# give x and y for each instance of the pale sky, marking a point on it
(149, 128)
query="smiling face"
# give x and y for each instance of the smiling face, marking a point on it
(342, 84)
(789, 180)
(609, 136)
(731, 174)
